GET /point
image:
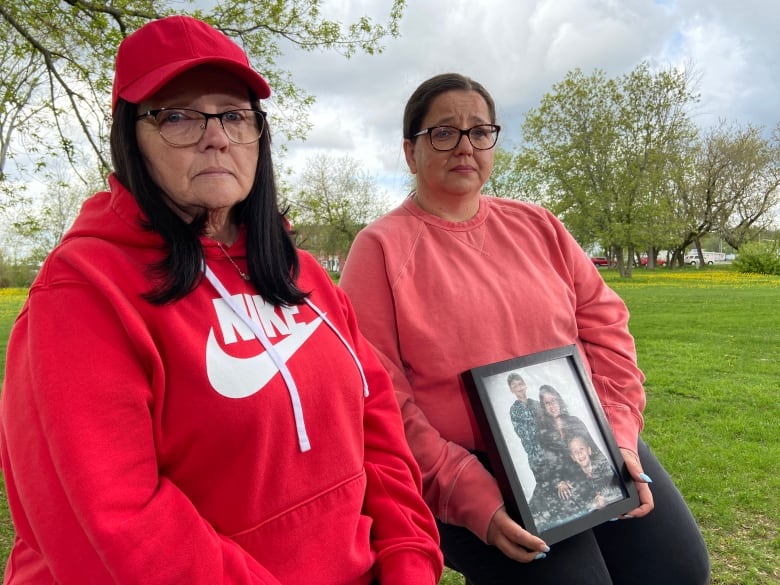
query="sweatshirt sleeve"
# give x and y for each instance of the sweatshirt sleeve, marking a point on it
(455, 485)
(403, 532)
(79, 456)
(607, 344)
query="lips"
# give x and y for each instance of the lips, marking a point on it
(214, 171)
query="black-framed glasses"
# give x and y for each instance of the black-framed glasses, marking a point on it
(185, 126)
(443, 138)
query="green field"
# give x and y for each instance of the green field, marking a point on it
(708, 341)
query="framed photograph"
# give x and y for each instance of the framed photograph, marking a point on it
(549, 444)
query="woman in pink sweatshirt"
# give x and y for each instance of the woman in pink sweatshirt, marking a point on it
(452, 280)
(188, 399)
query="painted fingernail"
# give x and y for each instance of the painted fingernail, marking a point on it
(546, 548)
(615, 519)
(627, 516)
(540, 556)
(645, 478)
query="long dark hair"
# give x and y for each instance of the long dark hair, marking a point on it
(271, 255)
(420, 101)
(547, 390)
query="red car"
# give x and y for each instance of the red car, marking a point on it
(599, 261)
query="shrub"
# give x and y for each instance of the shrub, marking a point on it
(758, 257)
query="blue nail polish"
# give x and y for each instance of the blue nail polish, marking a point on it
(646, 478)
(546, 548)
(540, 556)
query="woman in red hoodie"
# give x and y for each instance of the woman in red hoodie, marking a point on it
(187, 397)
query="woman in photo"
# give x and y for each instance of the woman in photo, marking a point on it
(554, 501)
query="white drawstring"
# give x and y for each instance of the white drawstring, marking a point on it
(292, 389)
(351, 351)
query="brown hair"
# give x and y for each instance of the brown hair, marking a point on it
(420, 101)
(514, 376)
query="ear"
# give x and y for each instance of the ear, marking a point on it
(409, 154)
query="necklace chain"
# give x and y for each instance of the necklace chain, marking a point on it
(243, 274)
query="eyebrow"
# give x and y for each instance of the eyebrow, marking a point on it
(450, 121)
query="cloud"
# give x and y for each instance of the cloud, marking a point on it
(518, 50)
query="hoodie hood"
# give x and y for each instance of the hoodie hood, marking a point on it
(114, 216)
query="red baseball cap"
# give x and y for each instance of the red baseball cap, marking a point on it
(162, 49)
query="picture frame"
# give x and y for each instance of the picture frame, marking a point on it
(559, 468)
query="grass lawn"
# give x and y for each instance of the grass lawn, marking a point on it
(708, 341)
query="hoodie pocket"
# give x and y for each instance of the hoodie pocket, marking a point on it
(320, 541)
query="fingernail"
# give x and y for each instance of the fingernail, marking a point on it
(615, 519)
(540, 556)
(627, 516)
(546, 548)
(645, 478)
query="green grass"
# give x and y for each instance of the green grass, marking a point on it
(708, 341)
(709, 344)
(11, 301)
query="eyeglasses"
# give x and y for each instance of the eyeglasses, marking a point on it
(443, 138)
(185, 127)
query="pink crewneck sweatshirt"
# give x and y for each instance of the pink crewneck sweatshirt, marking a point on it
(437, 298)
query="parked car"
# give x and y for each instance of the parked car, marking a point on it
(658, 261)
(599, 261)
(709, 257)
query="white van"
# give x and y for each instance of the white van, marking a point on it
(709, 258)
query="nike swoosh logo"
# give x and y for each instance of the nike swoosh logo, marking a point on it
(236, 377)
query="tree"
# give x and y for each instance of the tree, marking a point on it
(753, 186)
(513, 178)
(333, 200)
(77, 41)
(39, 222)
(730, 189)
(603, 151)
(22, 74)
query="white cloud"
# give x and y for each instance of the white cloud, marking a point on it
(518, 50)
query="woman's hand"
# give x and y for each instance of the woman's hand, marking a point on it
(642, 482)
(510, 538)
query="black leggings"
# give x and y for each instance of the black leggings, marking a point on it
(663, 548)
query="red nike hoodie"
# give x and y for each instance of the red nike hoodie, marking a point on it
(161, 444)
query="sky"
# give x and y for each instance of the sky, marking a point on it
(518, 49)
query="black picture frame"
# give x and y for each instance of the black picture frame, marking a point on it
(529, 474)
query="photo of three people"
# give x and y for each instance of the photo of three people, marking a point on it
(571, 474)
(557, 449)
